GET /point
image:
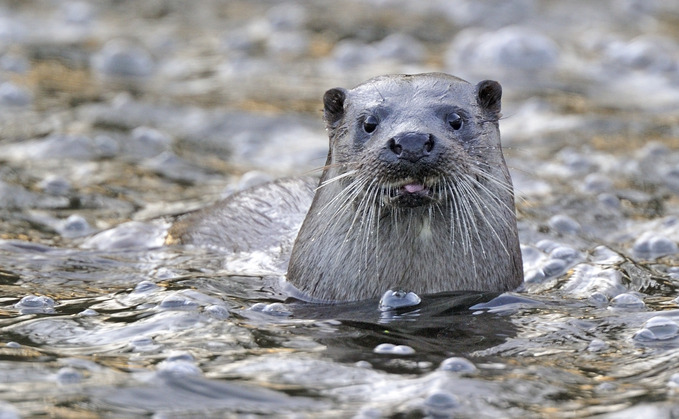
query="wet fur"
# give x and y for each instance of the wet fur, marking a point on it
(354, 245)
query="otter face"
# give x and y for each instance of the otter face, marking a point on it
(416, 137)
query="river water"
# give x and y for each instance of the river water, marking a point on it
(117, 112)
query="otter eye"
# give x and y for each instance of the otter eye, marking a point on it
(455, 121)
(370, 124)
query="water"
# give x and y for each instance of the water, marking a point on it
(116, 112)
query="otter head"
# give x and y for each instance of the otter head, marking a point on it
(415, 136)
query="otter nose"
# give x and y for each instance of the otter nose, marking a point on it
(411, 146)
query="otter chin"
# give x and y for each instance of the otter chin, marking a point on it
(415, 195)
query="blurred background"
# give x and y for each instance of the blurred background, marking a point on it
(118, 110)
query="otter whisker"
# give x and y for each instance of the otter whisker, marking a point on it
(372, 225)
(454, 212)
(467, 223)
(503, 212)
(470, 199)
(346, 196)
(500, 183)
(336, 178)
(340, 165)
(358, 212)
(462, 222)
(477, 201)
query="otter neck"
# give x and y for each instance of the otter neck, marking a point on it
(363, 248)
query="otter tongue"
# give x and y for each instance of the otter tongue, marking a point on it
(413, 187)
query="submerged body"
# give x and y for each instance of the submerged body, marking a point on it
(415, 195)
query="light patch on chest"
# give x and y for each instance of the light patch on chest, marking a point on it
(425, 232)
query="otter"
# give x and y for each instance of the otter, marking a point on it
(415, 195)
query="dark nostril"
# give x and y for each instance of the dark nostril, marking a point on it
(429, 144)
(395, 147)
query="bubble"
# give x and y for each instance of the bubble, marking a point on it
(12, 95)
(217, 312)
(106, 146)
(78, 12)
(565, 253)
(55, 185)
(14, 345)
(7, 411)
(671, 177)
(576, 162)
(530, 255)
(391, 349)
(274, 309)
(554, 268)
(288, 16)
(180, 356)
(145, 142)
(14, 63)
(180, 368)
(349, 54)
(69, 375)
(402, 48)
(509, 48)
(564, 224)
(547, 245)
(363, 364)
(143, 344)
(609, 200)
(180, 363)
(651, 53)
(597, 183)
(652, 246)
(177, 302)
(440, 404)
(534, 276)
(674, 381)
(32, 304)
(597, 345)
(397, 299)
(657, 329)
(88, 313)
(144, 287)
(288, 44)
(627, 301)
(598, 299)
(74, 226)
(123, 59)
(457, 364)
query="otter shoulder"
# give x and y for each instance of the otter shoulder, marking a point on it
(258, 218)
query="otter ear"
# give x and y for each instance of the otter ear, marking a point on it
(333, 102)
(488, 95)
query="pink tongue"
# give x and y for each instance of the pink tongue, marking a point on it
(413, 187)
